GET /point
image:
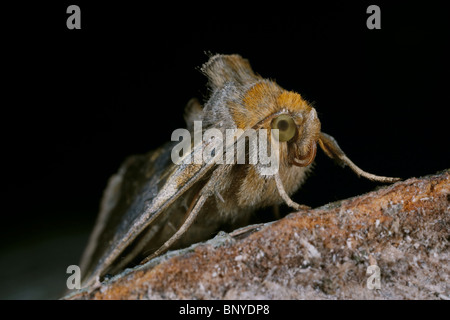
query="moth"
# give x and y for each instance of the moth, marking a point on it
(153, 204)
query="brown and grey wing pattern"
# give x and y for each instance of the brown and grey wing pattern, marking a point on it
(126, 196)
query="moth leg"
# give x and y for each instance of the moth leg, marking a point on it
(186, 224)
(245, 231)
(219, 196)
(286, 198)
(196, 206)
(147, 238)
(332, 150)
(138, 248)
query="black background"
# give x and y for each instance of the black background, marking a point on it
(76, 103)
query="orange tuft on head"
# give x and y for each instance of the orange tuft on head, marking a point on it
(264, 99)
(292, 101)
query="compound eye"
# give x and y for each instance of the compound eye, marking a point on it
(286, 126)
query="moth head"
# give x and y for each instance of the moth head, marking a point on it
(298, 133)
(257, 103)
(268, 106)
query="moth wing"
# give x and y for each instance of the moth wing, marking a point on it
(138, 172)
(142, 189)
